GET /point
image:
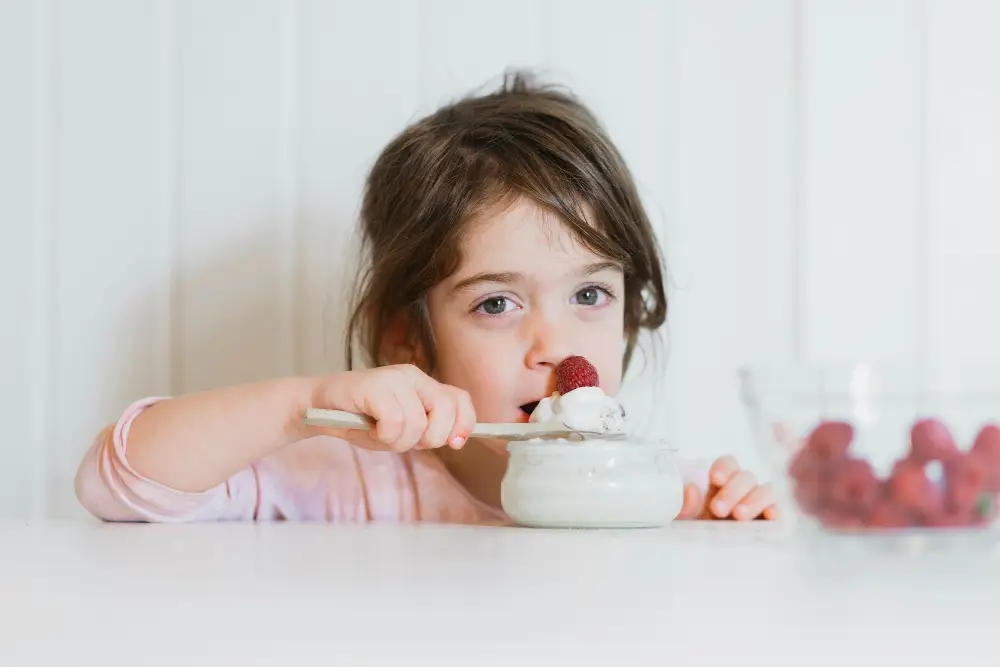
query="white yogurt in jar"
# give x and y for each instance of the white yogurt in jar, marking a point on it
(596, 483)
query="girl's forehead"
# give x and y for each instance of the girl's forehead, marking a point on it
(522, 236)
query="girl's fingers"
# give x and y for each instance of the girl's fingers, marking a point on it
(384, 407)
(465, 419)
(722, 471)
(738, 486)
(363, 439)
(754, 503)
(414, 419)
(693, 501)
(440, 419)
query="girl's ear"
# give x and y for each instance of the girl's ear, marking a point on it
(401, 344)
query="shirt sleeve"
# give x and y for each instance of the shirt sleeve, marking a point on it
(110, 489)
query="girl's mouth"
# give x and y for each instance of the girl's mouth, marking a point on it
(528, 408)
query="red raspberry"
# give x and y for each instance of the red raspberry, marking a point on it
(987, 443)
(575, 372)
(813, 465)
(888, 515)
(812, 490)
(987, 448)
(801, 464)
(910, 488)
(808, 497)
(830, 441)
(930, 440)
(840, 520)
(855, 486)
(950, 518)
(965, 481)
(980, 513)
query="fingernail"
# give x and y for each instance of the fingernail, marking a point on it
(720, 507)
(719, 478)
(740, 512)
(457, 442)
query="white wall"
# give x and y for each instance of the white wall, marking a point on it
(178, 181)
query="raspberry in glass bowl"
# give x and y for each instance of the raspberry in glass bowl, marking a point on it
(879, 449)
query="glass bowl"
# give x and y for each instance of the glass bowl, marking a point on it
(632, 483)
(877, 448)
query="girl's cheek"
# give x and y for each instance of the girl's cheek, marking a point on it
(492, 384)
(476, 365)
(610, 355)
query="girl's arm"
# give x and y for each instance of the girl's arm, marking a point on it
(193, 456)
(197, 441)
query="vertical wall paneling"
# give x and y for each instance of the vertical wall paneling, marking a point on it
(357, 77)
(40, 315)
(25, 237)
(229, 237)
(288, 164)
(106, 208)
(468, 44)
(732, 233)
(410, 48)
(963, 225)
(162, 221)
(860, 177)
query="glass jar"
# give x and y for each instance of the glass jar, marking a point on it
(630, 483)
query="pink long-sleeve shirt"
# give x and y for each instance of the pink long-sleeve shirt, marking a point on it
(319, 479)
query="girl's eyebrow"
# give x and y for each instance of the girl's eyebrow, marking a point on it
(509, 277)
(506, 277)
(597, 267)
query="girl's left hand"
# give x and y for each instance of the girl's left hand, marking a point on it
(732, 494)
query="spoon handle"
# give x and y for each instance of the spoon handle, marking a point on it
(503, 431)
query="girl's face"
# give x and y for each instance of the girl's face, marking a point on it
(526, 296)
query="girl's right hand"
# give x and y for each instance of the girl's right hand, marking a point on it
(411, 410)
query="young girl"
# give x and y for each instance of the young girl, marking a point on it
(502, 234)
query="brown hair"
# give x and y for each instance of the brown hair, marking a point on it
(522, 140)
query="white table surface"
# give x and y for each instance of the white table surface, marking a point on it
(221, 594)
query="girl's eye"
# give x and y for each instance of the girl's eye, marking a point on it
(495, 305)
(591, 296)
(588, 296)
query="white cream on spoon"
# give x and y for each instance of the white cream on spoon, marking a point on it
(582, 409)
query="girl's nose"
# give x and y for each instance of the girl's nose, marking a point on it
(550, 343)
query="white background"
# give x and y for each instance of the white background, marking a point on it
(178, 183)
